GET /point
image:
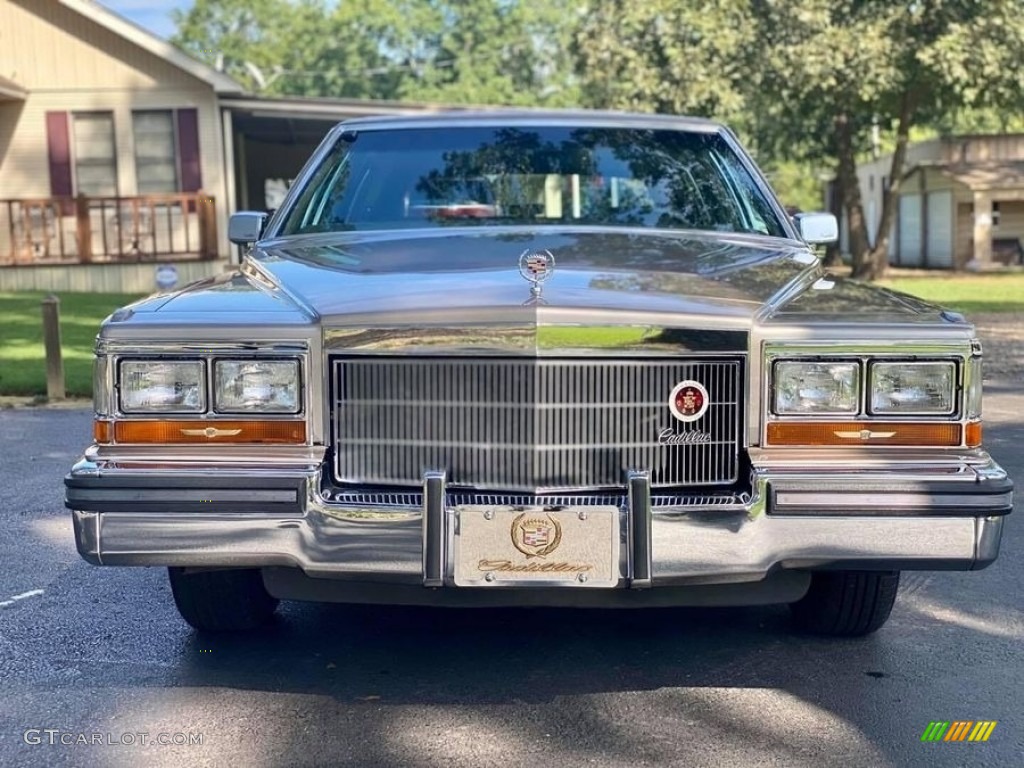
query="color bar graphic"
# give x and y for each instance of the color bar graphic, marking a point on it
(959, 730)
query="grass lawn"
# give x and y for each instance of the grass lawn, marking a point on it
(966, 293)
(22, 360)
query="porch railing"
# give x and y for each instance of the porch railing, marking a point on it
(84, 230)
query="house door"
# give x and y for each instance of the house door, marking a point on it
(910, 231)
(940, 229)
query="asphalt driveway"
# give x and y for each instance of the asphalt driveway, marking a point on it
(101, 653)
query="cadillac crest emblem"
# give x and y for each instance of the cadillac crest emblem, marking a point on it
(536, 536)
(689, 400)
(536, 266)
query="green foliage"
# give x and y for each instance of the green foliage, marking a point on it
(445, 51)
(665, 56)
(796, 184)
(511, 52)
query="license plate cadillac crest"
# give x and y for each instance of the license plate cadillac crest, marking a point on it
(538, 546)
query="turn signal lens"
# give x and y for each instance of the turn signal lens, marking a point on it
(973, 434)
(865, 433)
(101, 431)
(211, 432)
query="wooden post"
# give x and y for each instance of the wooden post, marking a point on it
(83, 229)
(51, 341)
(207, 227)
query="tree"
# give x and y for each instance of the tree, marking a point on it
(444, 51)
(673, 56)
(835, 68)
(353, 49)
(806, 80)
(511, 52)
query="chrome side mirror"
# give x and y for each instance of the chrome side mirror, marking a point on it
(817, 228)
(246, 227)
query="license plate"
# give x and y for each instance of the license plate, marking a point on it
(537, 546)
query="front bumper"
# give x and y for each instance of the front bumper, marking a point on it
(798, 515)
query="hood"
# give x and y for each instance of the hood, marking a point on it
(459, 276)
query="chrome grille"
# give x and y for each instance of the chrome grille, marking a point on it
(530, 424)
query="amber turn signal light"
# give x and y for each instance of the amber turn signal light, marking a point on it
(101, 431)
(861, 433)
(972, 434)
(258, 431)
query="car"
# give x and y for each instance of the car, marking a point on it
(632, 383)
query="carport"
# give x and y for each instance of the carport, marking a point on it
(268, 140)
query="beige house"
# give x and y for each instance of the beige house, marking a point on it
(961, 202)
(120, 154)
(111, 150)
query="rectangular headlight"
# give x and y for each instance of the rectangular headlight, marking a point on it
(162, 386)
(913, 388)
(816, 387)
(256, 386)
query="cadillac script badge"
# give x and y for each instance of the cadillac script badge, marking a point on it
(536, 536)
(536, 266)
(689, 401)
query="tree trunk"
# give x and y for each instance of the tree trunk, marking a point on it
(848, 188)
(890, 195)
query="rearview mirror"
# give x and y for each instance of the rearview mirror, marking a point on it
(817, 228)
(246, 227)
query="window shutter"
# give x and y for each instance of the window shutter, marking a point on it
(58, 145)
(188, 150)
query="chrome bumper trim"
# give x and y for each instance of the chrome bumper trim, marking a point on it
(915, 524)
(684, 550)
(639, 485)
(434, 534)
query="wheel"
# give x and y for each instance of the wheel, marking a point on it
(847, 603)
(222, 601)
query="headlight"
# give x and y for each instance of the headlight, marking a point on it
(162, 386)
(262, 386)
(912, 387)
(802, 388)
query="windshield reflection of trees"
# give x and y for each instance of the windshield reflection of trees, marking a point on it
(678, 185)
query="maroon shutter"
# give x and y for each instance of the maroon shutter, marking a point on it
(58, 145)
(188, 150)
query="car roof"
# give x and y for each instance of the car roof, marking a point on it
(533, 117)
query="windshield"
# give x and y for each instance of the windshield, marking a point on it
(536, 176)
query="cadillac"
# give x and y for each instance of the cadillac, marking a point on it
(573, 359)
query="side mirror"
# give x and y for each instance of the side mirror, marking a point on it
(246, 227)
(817, 228)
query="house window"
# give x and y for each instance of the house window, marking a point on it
(94, 153)
(156, 159)
(995, 214)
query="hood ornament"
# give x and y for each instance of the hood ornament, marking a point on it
(536, 266)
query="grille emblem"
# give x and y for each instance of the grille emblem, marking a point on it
(536, 266)
(689, 400)
(536, 536)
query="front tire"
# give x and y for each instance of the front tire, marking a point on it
(222, 600)
(847, 603)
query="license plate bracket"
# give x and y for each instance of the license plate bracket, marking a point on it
(537, 546)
